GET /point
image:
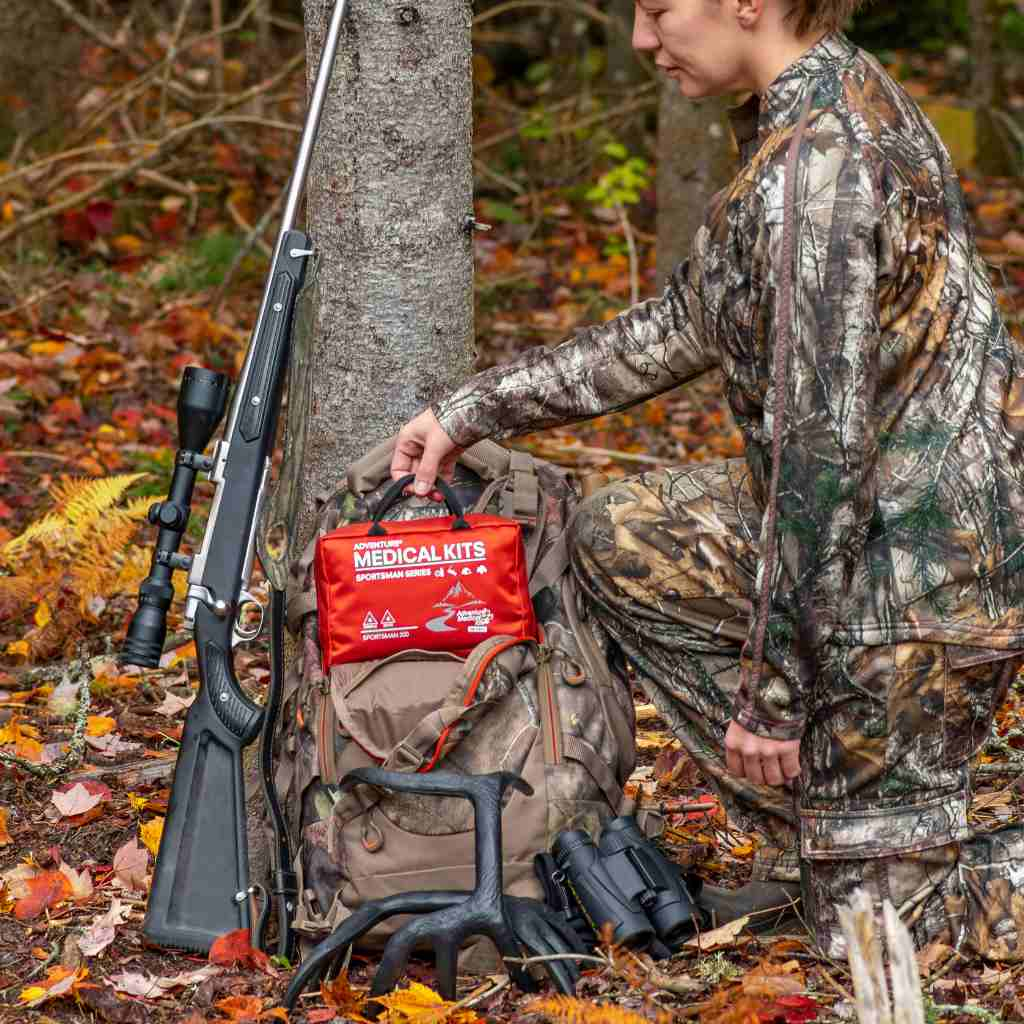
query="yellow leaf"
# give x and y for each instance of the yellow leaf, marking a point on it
(17, 647)
(46, 348)
(5, 836)
(43, 615)
(127, 245)
(150, 833)
(99, 725)
(423, 1004)
(741, 852)
(137, 802)
(32, 993)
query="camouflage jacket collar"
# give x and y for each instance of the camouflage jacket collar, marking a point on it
(779, 106)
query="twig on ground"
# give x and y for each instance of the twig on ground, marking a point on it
(33, 300)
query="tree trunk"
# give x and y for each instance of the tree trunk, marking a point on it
(390, 208)
(385, 326)
(998, 148)
(696, 157)
(624, 72)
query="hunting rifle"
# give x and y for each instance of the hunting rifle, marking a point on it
(201, 885)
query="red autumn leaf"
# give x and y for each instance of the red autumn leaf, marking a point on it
(127, 416)
(164, 225)
(324, 1013)
(233, 949)
(75, 228)
(5, 510)
(45, 890)
(100, 214)
(797, 1009)
(67, 410)
(93, 786)
(226, 158)
(240, 1007)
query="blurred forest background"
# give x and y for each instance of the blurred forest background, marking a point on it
(144, 149)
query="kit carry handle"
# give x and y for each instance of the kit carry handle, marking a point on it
(394, 492)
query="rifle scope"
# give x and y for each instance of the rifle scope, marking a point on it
(202, 401)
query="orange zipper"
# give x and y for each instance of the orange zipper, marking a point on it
(470, 694)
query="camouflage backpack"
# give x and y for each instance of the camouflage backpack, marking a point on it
(555, 713)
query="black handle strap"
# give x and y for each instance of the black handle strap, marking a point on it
(394, 492)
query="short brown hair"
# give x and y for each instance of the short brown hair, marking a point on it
(817, 15)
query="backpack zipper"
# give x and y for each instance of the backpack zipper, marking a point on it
(550, 716)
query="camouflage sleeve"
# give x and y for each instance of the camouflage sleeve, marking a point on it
(828, 457)
(650, 348)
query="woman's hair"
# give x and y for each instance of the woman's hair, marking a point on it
(830, 15)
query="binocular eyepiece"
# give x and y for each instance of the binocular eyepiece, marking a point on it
(627, 881)
(202, 399)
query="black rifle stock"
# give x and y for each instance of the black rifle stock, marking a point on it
(201, 884)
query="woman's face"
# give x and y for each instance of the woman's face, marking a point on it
(698, 43)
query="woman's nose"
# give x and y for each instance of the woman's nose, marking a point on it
(644, 36)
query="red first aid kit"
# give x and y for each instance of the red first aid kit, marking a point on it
(438, 584)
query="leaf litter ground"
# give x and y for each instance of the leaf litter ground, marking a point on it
(88, 382)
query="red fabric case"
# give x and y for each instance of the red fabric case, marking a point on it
(422, 585)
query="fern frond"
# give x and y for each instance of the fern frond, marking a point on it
(84, 499)
(137, 508)
(50, 526)
(568, 1010)
(98, 560)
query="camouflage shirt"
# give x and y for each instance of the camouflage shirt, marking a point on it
(900, 505)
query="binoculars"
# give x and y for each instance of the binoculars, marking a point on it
(623, 880)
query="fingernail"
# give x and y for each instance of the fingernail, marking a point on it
(421, 487)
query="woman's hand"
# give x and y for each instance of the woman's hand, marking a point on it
(425, 449)
(764, 761)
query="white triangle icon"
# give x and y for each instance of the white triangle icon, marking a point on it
(387, 619)
(369, 622)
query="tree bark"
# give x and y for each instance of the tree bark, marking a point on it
(624, 72)
(390, 206)
(998, 149)
(696, 157)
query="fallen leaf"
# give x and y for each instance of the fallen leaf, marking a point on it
(719, 937)
(341, 996)
(172, 704)
(95, 939)
(5, 836)
(43, 616)
(934, 954)
(99, 725)
(59, 981)
(132, 983)
(233, 949)
(418, 1002)
(80, 881)
(150, 833)
(131, 864)
(240, 1007)
(111, 744)
(15, 880)
(75, 800)
(45, 890)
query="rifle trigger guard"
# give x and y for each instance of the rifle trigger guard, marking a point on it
(244, 634)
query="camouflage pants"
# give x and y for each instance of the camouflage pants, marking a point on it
(667, 562)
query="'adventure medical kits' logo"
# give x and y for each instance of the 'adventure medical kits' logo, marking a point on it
(422, 586)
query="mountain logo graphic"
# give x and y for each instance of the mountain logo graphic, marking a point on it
(369, 622)
(458, 596)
